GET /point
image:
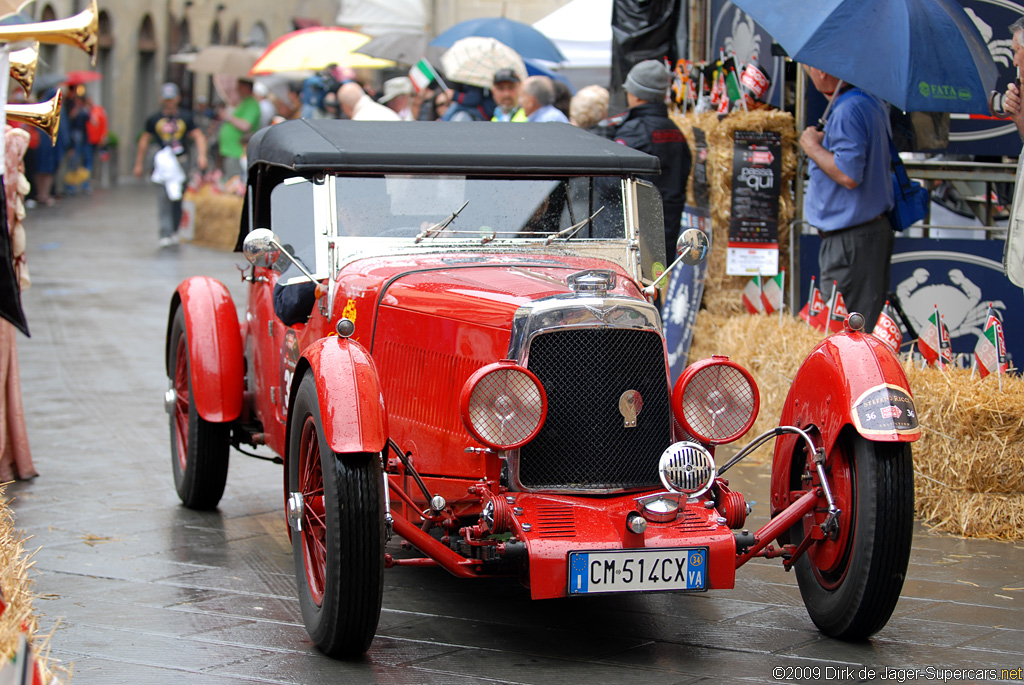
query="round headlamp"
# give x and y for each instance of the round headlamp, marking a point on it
(503, 405)
(715, 400)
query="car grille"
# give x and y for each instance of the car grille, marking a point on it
(584, 444)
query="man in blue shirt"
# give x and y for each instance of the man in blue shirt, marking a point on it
(537, 100)
(849, 193)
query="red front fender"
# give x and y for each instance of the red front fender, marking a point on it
(849, 379)
(214, 347)
(349, 392)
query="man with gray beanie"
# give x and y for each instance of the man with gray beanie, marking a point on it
(645, 126)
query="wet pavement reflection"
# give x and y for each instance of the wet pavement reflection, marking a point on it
(140, 589)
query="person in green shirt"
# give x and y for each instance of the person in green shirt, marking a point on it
(235, 129)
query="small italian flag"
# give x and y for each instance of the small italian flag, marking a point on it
(421, 75)
(929, 340)
(771, 293)
(990, 351)
(752, 296)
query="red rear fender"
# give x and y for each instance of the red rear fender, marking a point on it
(214, 347)
(349, 392)
(849, 379)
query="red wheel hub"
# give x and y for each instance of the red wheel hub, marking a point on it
(830, 557)
(314, 519)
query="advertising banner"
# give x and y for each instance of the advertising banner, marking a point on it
(754, 217)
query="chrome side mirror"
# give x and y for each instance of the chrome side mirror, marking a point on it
(261, 247)
(692, 246)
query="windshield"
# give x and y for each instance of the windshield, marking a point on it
(431, 208)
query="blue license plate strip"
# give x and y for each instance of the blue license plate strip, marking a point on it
(638, 570)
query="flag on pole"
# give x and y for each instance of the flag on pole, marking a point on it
(945, 345)
(771, 293)
(928, 340)
(887, 330)
(837, 311)
(991, 348)
(752, 296)
(811, 312)
(422, 74)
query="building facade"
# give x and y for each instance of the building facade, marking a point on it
(139, 39)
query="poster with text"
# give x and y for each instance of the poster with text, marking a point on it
(754, 212)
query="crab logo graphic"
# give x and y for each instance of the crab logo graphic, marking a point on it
(744, 41)
(960, 304)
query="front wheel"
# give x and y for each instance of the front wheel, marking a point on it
(851, 582)
(339, 551)
(199, 448)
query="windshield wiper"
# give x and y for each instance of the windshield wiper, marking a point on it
(574, 229)
(440, 226)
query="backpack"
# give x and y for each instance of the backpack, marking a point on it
(96, 127)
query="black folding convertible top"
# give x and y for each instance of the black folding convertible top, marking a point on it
(307, 147)
(443, 147)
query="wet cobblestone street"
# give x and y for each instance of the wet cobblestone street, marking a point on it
(141, 590)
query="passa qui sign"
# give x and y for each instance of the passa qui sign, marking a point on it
(754, 216)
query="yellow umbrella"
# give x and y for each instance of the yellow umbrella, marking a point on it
(315, 48)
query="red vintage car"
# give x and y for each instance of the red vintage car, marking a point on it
(450, 337)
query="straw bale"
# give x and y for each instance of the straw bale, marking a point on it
(19, 615)
(217, 218)
(969, 462)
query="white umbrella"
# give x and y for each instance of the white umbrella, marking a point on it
(475, 60)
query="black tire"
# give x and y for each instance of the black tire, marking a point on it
(851, 589)
(339, 554)
(199, 448)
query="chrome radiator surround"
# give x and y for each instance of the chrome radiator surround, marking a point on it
(595, 318)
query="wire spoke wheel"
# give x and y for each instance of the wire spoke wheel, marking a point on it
(199, 448)
(339, 551)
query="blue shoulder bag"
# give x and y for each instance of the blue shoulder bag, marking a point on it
(911, 199)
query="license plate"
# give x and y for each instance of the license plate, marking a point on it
(638, 570)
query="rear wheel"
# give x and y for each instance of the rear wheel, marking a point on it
(199, 448)
(339, 552)
(851, 582)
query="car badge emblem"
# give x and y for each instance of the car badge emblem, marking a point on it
(631, 403)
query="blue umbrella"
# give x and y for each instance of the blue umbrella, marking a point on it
(920, 55)
(535, 68)
(523, 38)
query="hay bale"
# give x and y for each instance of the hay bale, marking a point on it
(969, 462)
(19, 616)
(218, 215)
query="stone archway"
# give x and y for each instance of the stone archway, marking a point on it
(145, 98)
(48, 52)
(105, 64)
